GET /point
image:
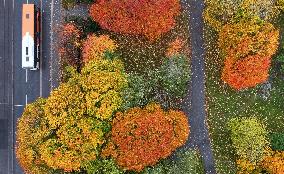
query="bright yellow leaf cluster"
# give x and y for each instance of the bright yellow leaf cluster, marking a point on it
(249, 38)
(32, 128)
(65, 104)
(102, 81)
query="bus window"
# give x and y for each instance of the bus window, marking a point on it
(27, 50)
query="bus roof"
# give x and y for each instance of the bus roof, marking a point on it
(28, 19)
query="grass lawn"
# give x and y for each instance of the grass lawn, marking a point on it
(224, 103)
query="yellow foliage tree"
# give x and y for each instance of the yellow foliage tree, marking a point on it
(280, 4)
(32, 129)
(75, 144)
(67, 130)
(249, 38)
(220, 12)
(65, 103)
(103, 81)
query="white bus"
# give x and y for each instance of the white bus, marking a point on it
(30, 37)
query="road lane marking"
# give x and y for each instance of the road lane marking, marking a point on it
(26, 99)
(4, 3)
(4, 103)
(27, 1)
(18, 105)
(26, 75)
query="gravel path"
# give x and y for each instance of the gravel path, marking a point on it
(199, 136)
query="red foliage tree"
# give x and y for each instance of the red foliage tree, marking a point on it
(140, 137)
(246, 72)
(150, 18)
(69, 42)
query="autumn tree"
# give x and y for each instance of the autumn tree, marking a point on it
(77, 110)
(248, 47)
(140, 137)
(249, 38)
(249, 138)
(274, 163)
(67, 130)
(32, 129)
(150, 18)
(77, 136)
(96, 46)
(175, 47)
(103, 81)
(247, 72)
(220, 12)
(68, 45)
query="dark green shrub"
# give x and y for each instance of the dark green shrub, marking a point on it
(174, 75)
(68, 4)
(85, 25)
(280, 59)
(187, 162)
(277, 141)
(103, 166)
(137, 93)
(166, 85)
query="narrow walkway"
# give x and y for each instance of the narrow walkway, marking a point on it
(199, 136)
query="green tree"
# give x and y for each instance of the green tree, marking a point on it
(174, 75)
(249, 138)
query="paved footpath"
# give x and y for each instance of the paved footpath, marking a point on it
(199, 136)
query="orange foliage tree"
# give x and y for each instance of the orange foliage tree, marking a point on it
(175, 47)
(247, 72)
(69, 42)
(149, 18)
(274, 163)
(248, 47)
(140, 137)
(95, 47)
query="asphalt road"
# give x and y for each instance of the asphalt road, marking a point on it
(199, 135)
(18, 87)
